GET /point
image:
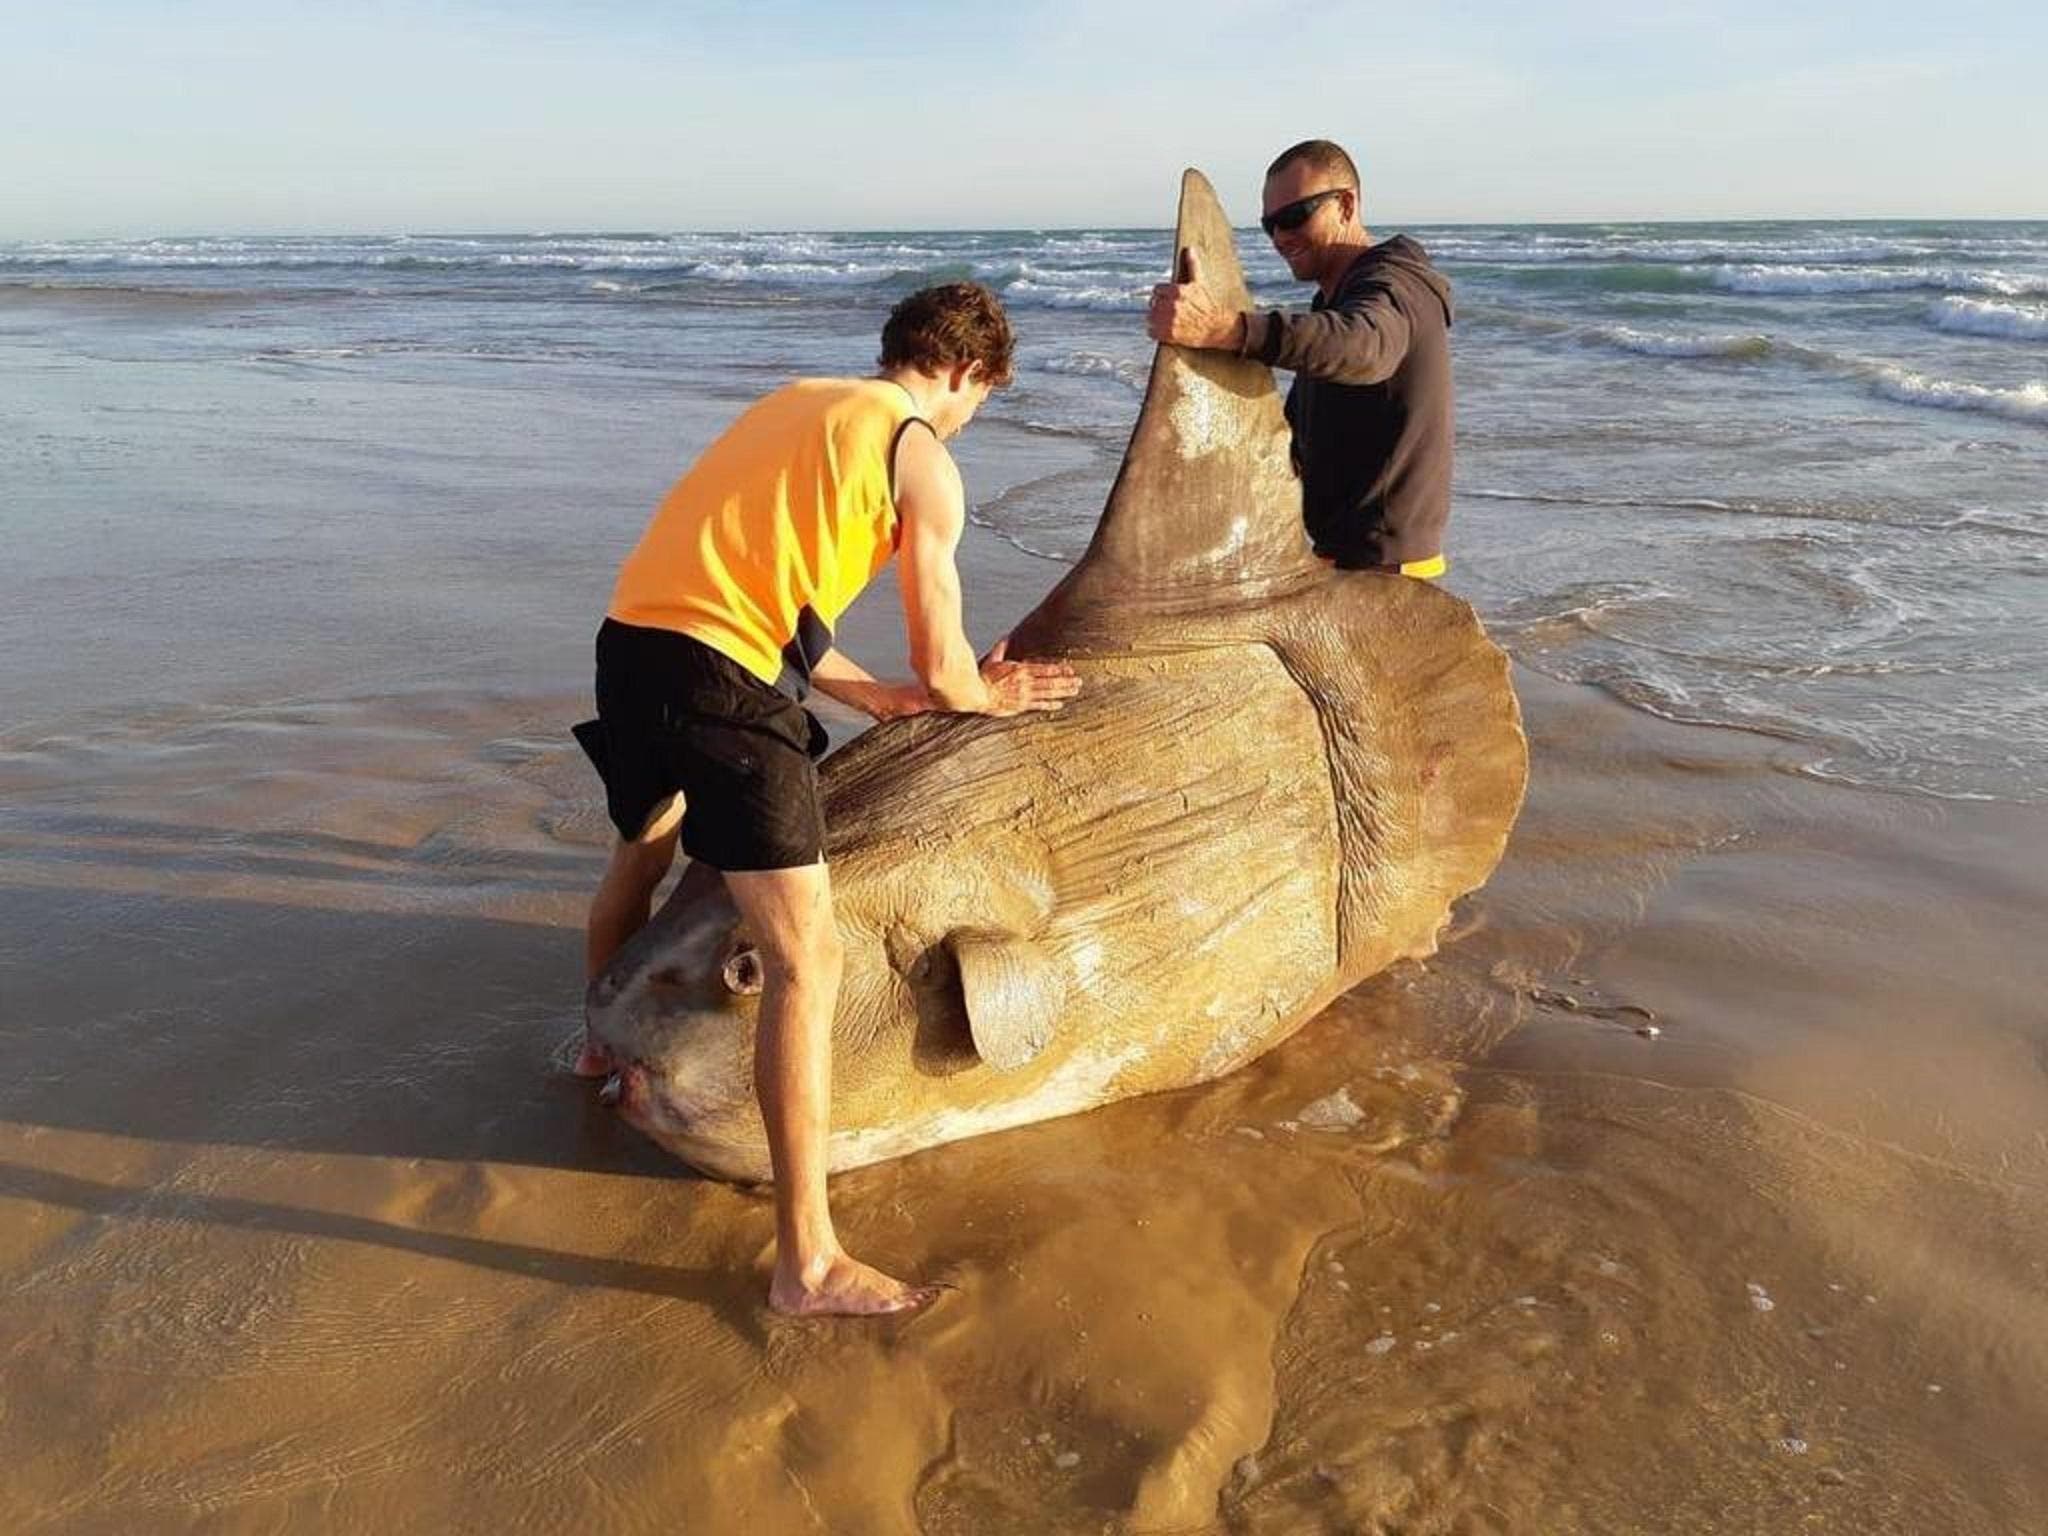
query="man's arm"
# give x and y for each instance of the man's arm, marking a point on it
(838, 676)
(1359, 341)
(932, 506)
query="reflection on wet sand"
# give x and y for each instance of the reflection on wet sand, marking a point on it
(302, 1231)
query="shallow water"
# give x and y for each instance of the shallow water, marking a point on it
(1790, 476)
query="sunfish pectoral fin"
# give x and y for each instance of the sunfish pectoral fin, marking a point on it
(1013, 990)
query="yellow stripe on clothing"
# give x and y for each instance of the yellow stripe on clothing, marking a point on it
(1427, 570)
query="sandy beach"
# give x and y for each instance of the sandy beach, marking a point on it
(306, 1229)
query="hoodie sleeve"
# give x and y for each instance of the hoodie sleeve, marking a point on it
(1360, 339)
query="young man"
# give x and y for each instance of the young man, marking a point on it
(720, 620)
(1371, 403)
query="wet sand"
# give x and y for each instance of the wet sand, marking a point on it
(303, 1228)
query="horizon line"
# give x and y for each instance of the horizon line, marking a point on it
(1098, 227)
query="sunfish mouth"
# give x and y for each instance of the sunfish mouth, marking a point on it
(630, 1091)
(637, 1095)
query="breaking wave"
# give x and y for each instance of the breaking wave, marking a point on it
(1100, 365)
(1652, 344)
(1890, 381)
(1810, 280)
(1043, 295)
(1511, 246)
(1982, 317)
(2028, 402)
(1546, 250)
(2025, 403)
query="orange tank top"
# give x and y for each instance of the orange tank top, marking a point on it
(775, 529)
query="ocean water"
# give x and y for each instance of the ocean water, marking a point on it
(1787, 477)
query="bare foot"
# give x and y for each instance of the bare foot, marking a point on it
(592, 1061)
(844, 1287)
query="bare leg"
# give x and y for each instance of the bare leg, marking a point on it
(788, 912)
(617, 912)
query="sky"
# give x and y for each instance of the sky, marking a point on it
(120, 118)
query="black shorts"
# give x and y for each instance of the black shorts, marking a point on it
(675, 717)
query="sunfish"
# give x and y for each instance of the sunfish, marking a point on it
(1275, 783)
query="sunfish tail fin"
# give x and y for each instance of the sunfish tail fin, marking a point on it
(1428, 762)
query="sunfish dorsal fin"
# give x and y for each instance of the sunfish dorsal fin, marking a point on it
(1206, 499)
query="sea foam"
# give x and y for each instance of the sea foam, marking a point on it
(1654, 344)
(2027, 402)
(1505, 250)
(1038, 295)
(1982, 317)
(1804, 280)
(1126, 371)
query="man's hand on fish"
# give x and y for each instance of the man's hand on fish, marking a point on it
(1186, 314)
(1014, 687)
(1021, 687)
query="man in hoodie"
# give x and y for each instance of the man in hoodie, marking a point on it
(1370, 407)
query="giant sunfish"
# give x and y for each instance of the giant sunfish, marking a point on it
(1275, 783)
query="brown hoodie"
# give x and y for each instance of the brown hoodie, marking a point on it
(1370, 406)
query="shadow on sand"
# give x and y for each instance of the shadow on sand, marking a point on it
(399, 1034)
(714, 1289)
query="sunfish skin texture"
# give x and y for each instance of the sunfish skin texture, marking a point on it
(1275, 782)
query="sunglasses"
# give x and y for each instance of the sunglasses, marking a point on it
(1296, 214)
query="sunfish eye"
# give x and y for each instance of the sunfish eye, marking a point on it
(742, 972)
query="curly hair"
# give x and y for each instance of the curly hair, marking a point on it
(935, 328)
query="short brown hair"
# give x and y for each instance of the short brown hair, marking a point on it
(1321, 155)
(935, 328)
